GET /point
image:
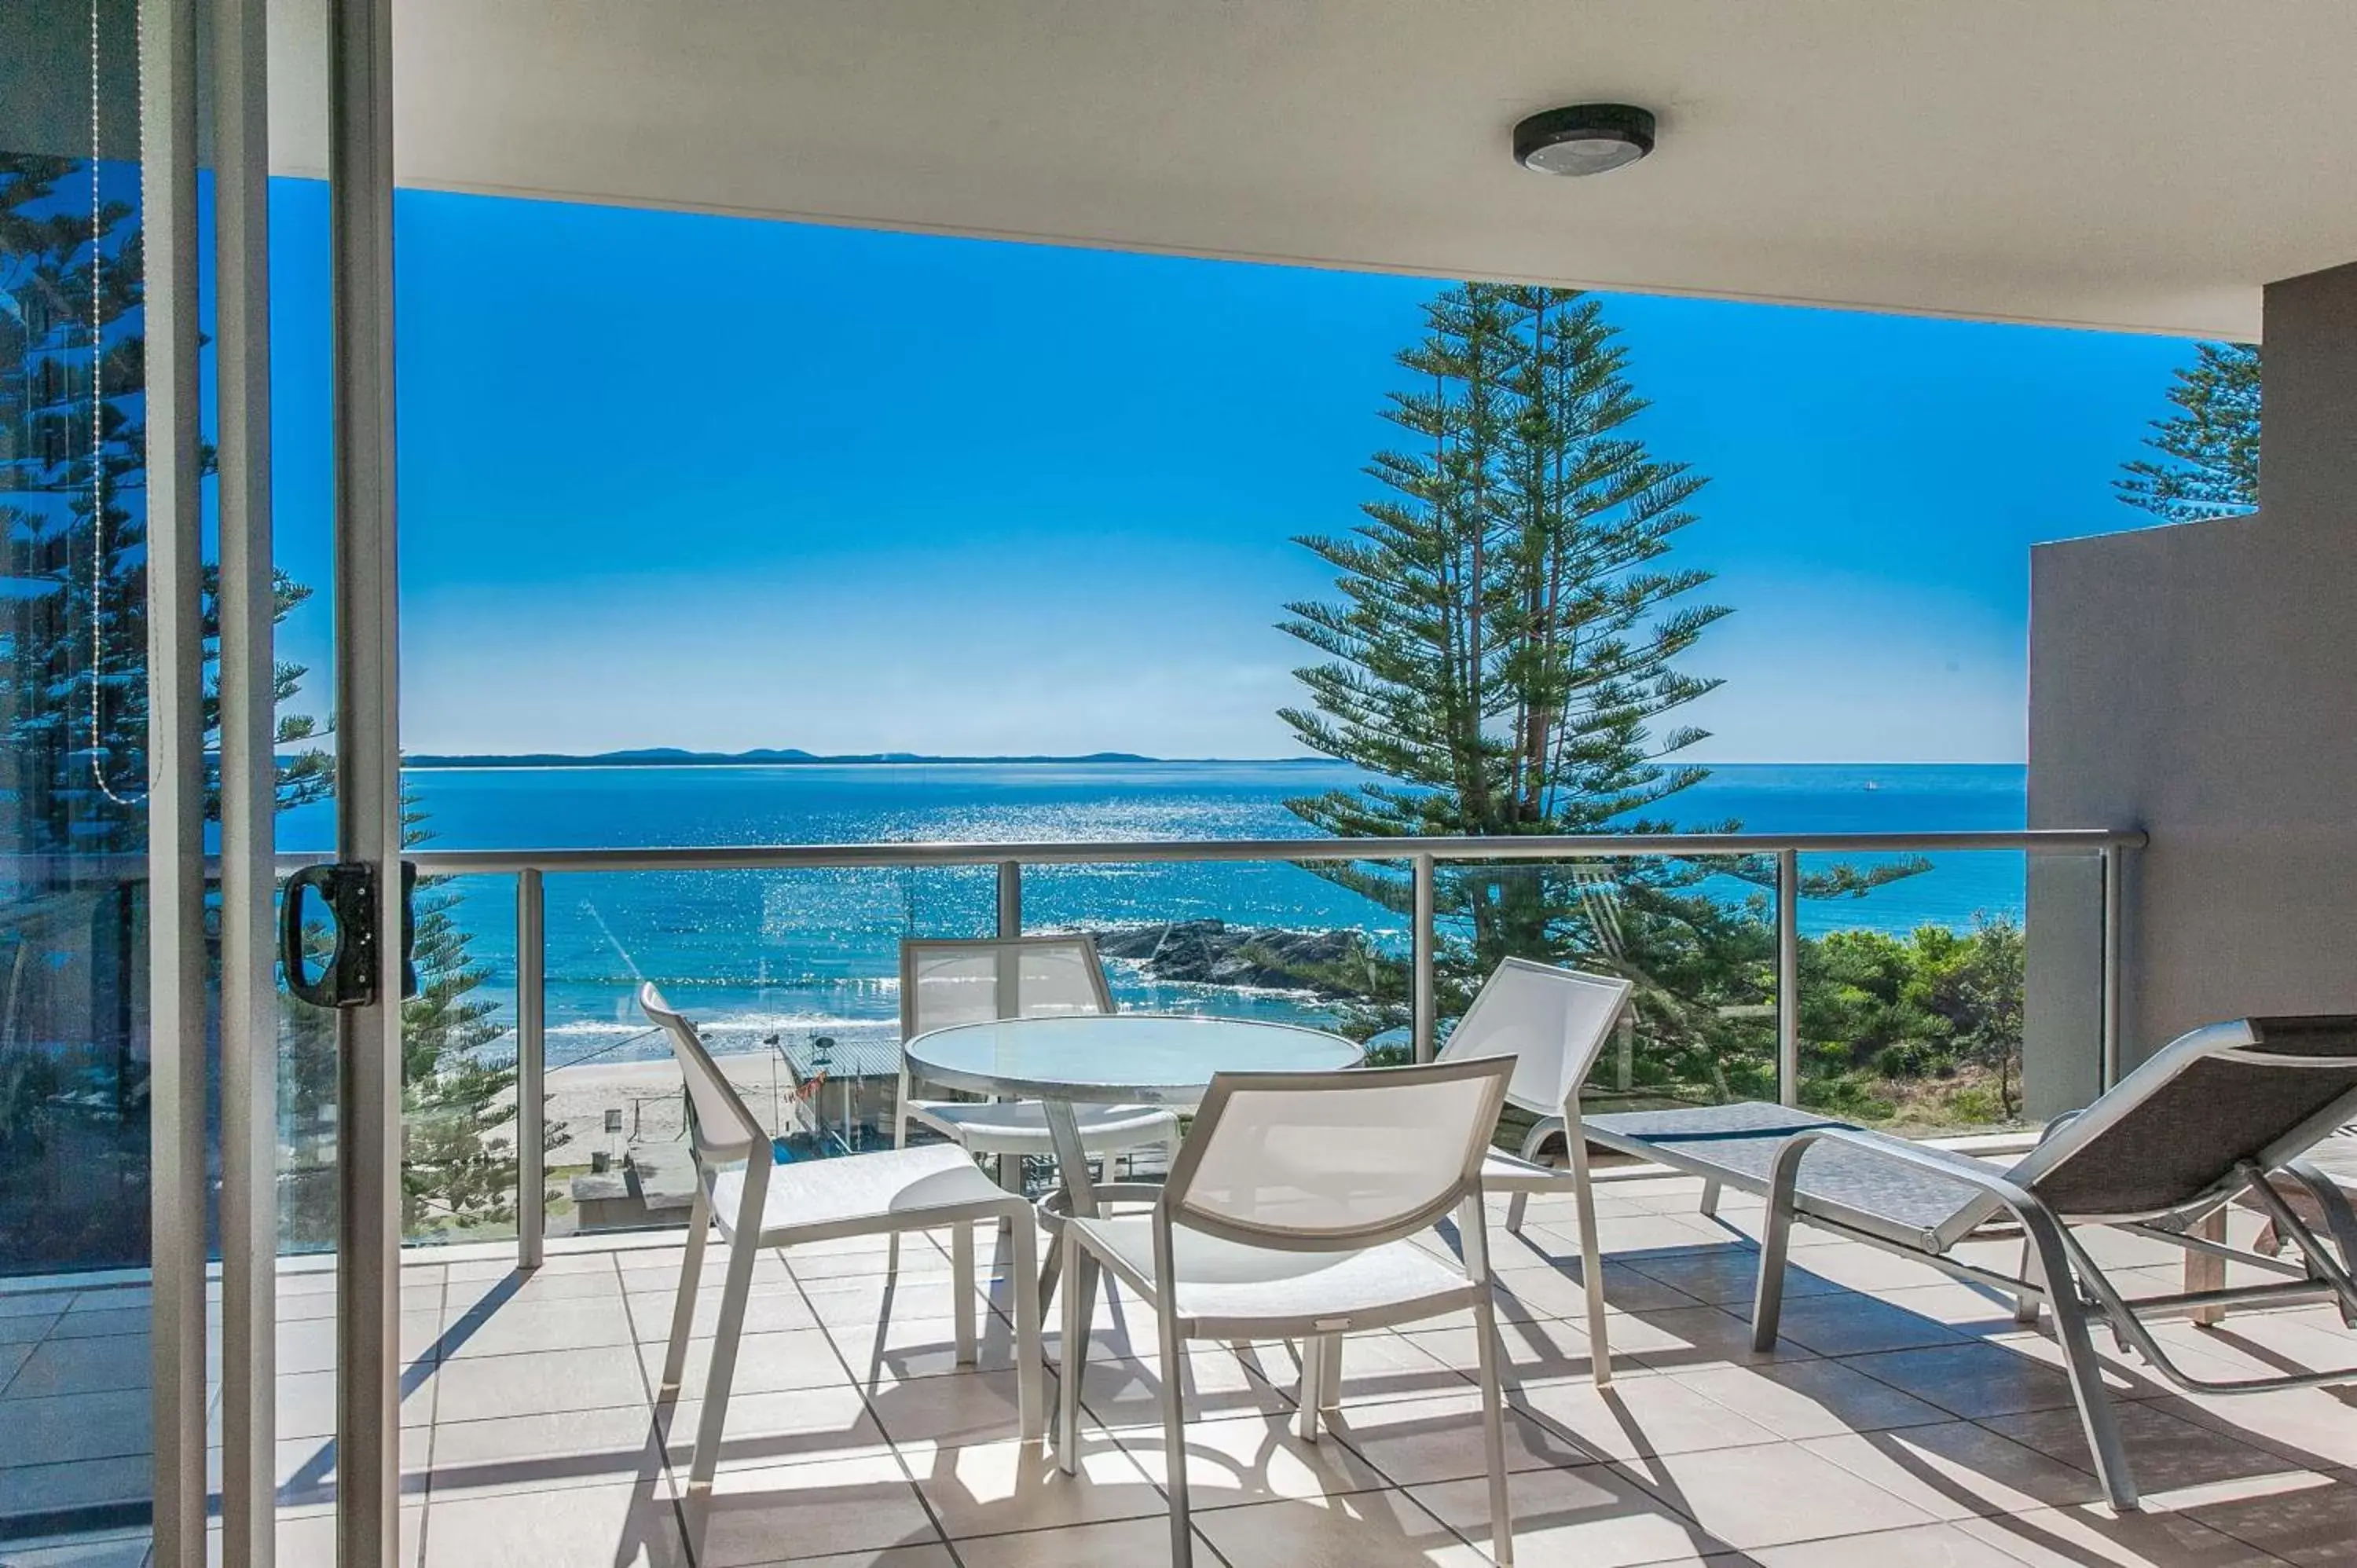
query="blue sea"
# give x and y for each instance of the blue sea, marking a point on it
(802, 953)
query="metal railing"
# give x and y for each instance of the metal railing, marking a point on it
(1424, 856)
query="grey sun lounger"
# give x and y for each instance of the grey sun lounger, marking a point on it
(2212, 1118)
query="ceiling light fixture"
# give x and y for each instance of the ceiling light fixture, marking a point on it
(1586, 138)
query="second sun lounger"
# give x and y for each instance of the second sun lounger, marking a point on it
(2210, 1118)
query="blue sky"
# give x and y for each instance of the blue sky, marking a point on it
(678, 479)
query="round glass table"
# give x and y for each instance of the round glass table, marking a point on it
(1144, 1059)
(1109, 1059)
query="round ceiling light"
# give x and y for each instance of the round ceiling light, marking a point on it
(1586, 138)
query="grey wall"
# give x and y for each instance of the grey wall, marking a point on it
(2200, 681)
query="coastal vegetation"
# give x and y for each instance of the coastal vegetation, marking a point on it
(1923, 1028)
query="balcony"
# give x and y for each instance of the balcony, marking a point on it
(1904, 1409)
(1906, 1419)
(1906, 1416)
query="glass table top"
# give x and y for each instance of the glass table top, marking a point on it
(1138, 1056)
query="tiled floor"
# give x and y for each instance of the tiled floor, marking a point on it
(1914, 1426)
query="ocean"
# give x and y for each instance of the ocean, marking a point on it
(809, 952)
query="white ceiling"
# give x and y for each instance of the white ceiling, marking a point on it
(2128, 164)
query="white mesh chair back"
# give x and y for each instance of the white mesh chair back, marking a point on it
(1335, 1160)
(1552, 1021)
(944, 983)
(2176, 1132)
(724, 1131)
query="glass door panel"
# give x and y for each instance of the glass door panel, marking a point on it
(75, 1147)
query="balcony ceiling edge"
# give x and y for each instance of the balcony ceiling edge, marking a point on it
(2011, 161)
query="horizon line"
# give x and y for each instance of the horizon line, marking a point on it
(779, 757)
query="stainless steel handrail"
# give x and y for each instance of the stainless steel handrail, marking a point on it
(1111, 852)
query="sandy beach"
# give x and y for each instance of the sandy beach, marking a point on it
(648, 1096)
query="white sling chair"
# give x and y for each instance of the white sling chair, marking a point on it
(758, 1203)
(1289, 1213)
(1553, 1022)
(944, 983)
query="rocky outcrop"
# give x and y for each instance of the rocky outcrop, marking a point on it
(1211, 953)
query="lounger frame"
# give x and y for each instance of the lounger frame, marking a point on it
(2052, 1253)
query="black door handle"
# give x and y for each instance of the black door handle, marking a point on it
(348, 889)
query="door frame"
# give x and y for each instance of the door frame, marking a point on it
(249, 784)
(177, 1022)
(368, 779)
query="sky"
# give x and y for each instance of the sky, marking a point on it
(677, 480)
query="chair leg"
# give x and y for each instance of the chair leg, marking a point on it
(1075, 1363)
(2207, 1270)
(1174, 1427)
(1516, 1207)
(1493, 1432)
(899, 1140)
(1008, 1169)
(1591, 1258)
(2024, 1304)
(1710, 1200)
(1030, 1359)
(1768, 1295)
(708, 1428)
(962, 1276)
(2086, 1373)
(690, 1277)
(1051, 1269)
(1310, 1402)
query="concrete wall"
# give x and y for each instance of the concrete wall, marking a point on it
(2200, 681)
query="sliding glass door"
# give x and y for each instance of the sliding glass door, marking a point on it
(198, 1214)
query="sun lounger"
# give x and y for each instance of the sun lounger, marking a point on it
(2221, 1113)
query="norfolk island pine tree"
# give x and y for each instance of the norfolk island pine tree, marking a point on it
(1507, 638)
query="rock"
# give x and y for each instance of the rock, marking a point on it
(1193, 951)
(1207, 953)
(1135, 944)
